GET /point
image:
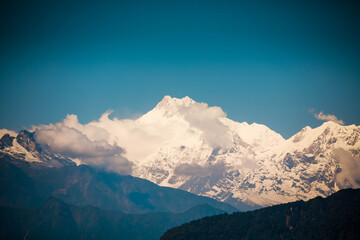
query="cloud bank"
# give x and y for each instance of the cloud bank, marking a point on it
(63, 138)
(327, 117)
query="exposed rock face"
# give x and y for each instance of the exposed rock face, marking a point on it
(25, 147)
(26, 139)
(6, 141)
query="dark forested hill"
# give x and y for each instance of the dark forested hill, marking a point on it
(335, 217)
(57, 220)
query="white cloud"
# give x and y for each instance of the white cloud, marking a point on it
(65, 139)
(349, 175)
(327, 117)
(72, 142)
(206, 118)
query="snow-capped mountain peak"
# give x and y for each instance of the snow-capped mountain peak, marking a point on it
(167, 108)
(170, 102)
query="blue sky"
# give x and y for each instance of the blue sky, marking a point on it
(261, 62)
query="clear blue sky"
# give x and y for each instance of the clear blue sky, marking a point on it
(261, 62)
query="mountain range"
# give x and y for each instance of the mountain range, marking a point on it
(188, 145)
(249, 164)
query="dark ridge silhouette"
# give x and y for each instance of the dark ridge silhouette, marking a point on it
(336, 217)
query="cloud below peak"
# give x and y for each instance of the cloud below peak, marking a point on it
(66, 138)
(117, 144)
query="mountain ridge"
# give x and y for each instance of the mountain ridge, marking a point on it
(185, 144)
(55, 219)
(27, 185)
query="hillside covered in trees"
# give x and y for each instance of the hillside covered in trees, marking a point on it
(334, 217)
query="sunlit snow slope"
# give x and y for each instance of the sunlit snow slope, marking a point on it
(245, 163)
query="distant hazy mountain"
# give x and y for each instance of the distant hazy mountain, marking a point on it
(189, 145)
(334, 218)
(28, 184)
(57, 220)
